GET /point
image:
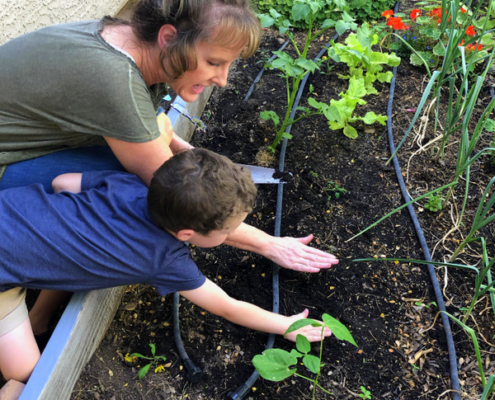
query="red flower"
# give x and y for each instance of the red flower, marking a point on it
(415, 14)
(396, 23)
(463, 10)
(436, 12)
(470, 31)
(387, 14)
(474, 46)
(462, 43)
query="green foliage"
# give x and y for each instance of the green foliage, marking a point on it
(365, 394)
(293, 70)
(335, 189)
(364, 10)
(289, 9)
(277, 364)
(365, 67)
(434, 203)
(154, 361)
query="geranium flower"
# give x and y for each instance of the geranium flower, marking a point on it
(415, 14)
(387, 14)
(470, 31)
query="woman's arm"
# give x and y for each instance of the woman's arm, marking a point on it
(291, 253)
(142, 159)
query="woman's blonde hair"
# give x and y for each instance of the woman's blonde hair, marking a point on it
(226, 23)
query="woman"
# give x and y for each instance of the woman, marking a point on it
(87, 83)
(69, 90)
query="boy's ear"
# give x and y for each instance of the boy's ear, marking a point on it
(185, 234)
(166, 33)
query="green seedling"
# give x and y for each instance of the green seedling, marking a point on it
(365, 394)
(434, 203)
(335, 189)
(154, 361)
(275, 364)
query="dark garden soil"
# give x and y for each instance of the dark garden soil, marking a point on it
(389, 307)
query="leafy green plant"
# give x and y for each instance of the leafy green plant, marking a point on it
(327, 9)
(365, 394)
(434, 203)
(365, 67)
(364, 10)
(275, 364)
(154, 361)
(335, 189)
(294, 70)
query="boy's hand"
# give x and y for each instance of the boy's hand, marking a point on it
(293, 253)
(313, 334)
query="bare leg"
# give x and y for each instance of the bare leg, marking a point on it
(19, 352)
(46, 305)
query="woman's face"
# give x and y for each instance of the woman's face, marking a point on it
(213, 67)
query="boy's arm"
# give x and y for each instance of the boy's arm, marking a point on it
(213, 299)
(67, 183)
(288, 252)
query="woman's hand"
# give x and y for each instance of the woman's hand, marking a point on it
(295, 254)
(312, 333)
(290, 253)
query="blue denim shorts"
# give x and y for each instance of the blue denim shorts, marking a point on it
(46, 168)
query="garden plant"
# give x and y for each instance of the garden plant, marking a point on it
(278, 364)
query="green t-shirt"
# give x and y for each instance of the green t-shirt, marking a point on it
(64, 86)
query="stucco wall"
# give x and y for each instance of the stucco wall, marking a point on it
(20, 16)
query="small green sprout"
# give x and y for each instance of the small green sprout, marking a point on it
(434, 203)
(335, 189)
(365, 394)
(154, 362)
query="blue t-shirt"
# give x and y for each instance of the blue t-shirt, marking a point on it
(101, 237)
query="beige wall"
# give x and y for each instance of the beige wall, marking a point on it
(21, 16)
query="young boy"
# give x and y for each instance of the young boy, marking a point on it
(105, 229)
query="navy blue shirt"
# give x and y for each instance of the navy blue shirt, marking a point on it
(101, 237)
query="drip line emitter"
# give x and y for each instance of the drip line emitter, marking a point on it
(195, 374)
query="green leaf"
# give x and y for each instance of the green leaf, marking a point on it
(332, 114)
(312, 363)
(439, 49)
(300, 11)
(341, 27)
(138, 355)
(302, 344)
(143, 371)
(266, 115)
(338, 329)
(328, 23)
(350, 132)
(266, 21)
(300, 323)
(295, 353)
(153, 349)
(274, 364)
(308, 65)
(356, 88)
(490, 125)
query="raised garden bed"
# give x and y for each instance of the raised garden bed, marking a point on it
(389, 307)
